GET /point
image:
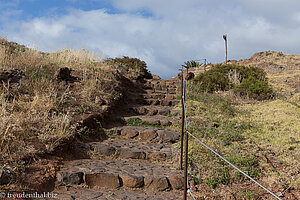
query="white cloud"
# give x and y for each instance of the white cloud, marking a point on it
(172, 33)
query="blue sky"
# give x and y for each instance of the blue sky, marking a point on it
(164, 33)
(40, 8)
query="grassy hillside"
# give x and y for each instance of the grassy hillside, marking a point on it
(50, 99)
(262, 137)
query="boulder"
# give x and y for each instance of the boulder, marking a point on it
(75, 178)
(11, 76)
(156, 183)
(105, 180)
(148, 134)
(132, 181)
(4, 177)
(177, 182)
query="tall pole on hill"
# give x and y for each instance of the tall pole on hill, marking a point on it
(225, 38)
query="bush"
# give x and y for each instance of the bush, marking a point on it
(132, 63)
(246, 81)
(254, 88)
(212, 81)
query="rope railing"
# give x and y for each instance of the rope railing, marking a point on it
(235, 167)
(187, 132)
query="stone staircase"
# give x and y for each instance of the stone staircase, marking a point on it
(134, 162)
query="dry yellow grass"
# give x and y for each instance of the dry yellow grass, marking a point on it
(26, 120)
(278, 132)
(36, 113)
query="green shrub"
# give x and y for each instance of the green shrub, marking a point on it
(212, 81)
(246, 81)
(254, 88)
(132, 63)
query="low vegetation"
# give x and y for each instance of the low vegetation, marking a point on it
(131, 64)
(139, 122)
(261, 138)
(248, 82)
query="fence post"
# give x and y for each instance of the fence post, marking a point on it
(186, 166)
(186, 142)
(182, 120)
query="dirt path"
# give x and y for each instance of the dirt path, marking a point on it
(134, 162)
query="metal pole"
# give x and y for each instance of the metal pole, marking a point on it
(205, 64)
(182, 121)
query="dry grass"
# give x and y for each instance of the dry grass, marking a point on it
(26, 120)
(279, 132)
(272, 62)
(285, 81)
(36, 113)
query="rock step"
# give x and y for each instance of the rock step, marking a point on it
(168, 83)
(114, 174)
(158, 96)
(161, 102)
(154, 135)
(167, 91)
(125, 149)
(163, 120)
(79, 193)
(160, 87)
(154, 110)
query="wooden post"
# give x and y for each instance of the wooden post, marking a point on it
(182, 120)
(186, 165)
(205, 64)
(186, 148)
(225, 38)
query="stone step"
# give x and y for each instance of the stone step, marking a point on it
(80, 193)
(159, 96)
(113, 174)
(150, 134)
(125, 149)
(163, 83)
(159, 87)
(163, 120)
(162, 91)
(153, 110)
(161, 102)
